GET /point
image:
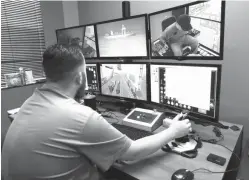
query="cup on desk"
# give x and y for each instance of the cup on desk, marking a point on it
(90, 101)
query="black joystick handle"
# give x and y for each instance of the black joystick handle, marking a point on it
(183, 139)
(184, 114)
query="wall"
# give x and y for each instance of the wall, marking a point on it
(141, 7)
(96, 11)
(234, 97)
(53, 18)
(71, 15)
(235, 83)
(10, 99)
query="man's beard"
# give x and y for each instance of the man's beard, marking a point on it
(81, 91)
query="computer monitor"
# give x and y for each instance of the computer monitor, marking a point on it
(92, 77)
(191, 31)
(193, 87)
(123, 38)
(126, 81)
(83, 36)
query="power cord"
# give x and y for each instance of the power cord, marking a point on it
(230, 170)
(207, 123)
(216, 131)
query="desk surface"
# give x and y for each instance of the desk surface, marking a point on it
(161, 165)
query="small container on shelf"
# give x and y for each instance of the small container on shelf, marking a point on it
(21, 72)
(28, 76)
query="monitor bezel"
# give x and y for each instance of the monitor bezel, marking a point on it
(193, 114)
(147, 57)
(222, 34)
(83, 26)
(125, 98)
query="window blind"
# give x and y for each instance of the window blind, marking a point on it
(22, 36)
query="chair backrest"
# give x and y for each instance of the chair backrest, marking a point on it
(168, 21)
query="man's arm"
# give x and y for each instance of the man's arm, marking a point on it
(164, 36)
(168, 33)
(103, 144)
(148, 145)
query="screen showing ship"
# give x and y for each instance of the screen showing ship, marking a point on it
(123, 38)
(124, 80)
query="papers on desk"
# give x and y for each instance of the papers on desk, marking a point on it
(13, 111)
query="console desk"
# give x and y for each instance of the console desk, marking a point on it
(161, 165)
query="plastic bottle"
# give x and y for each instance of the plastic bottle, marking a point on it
(21, 71)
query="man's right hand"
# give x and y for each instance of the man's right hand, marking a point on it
(180, 128)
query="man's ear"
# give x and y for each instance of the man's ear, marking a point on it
(79, 78)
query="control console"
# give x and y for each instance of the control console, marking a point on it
(144, 119)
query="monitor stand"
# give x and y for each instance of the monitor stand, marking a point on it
(125, 106)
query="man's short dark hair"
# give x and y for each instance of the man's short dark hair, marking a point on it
(60, 61)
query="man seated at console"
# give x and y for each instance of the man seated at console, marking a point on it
(177, 37)
(55, 137)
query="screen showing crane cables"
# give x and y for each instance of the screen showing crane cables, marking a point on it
(124, 80)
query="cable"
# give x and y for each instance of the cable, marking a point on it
(209, 171)
(207, 123)
(217, 132)
(213, 141)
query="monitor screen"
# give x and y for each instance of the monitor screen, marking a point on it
(83, 36)
(123, 38)
(192, 31)
(92, 77)
(191, 87)
(124, 80)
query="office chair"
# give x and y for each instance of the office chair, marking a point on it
(164, 24)
(167, 22)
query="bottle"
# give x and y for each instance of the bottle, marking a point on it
(28, 76)
(21, 71)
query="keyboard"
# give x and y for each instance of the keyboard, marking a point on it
(132, 133)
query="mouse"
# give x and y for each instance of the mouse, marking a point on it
(182, 174)
(235, 128)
